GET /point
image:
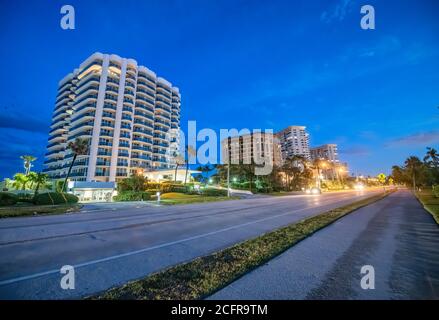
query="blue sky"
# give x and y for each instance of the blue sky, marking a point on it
(240, 64)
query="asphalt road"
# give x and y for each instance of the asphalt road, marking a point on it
(111, 245)
(395, 235)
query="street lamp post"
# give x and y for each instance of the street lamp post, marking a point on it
(228, 178)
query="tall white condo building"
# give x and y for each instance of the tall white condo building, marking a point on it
(130, 116)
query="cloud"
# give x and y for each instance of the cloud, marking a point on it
(415, 139)
(23, 122)
(355, 150)
(336, 13)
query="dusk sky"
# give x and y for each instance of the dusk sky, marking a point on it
(240, 64)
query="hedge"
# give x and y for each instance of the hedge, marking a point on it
(132, 196)
(8, 199)
(52, 198)
(214, 192)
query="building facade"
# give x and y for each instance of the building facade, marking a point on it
(251, 148)
(294, 141)
(129, 115)
(327, 152)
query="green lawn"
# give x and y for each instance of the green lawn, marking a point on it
(22, 210)
(431, 203)
(203, 276)
(173, 198)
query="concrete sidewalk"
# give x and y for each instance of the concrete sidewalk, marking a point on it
(395, 235)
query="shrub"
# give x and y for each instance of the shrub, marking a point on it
(211, 192)
(132, 196)
(52, 198)
(25, 197)
(8, 199)
(179, 188)
(435, 191)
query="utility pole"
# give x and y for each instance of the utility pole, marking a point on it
(228, 177)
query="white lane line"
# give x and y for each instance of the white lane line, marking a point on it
(127, 254)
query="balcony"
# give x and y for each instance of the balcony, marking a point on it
(144, 107)
(112, 89)
(111, 97)
(122, 164)
(124, 145)
(103, 163)
(82, 125)
(89, 96)
(123, 154)
(145, 115)
(143, 157)
(107, 124)
(142, 140)
(141, 148)
(145, 99)
(113, 80)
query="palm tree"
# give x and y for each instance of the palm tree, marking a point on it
(179, 160)
(78, 147)
(190, 152)
(318, 164)
(205, 169)
(20, 181)
(414, 166)
(28, 162)
(39, 179)
(432, 157)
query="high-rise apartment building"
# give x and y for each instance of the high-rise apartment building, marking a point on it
(294, 140)
(326, 152)
(251, 148)
(130, 116)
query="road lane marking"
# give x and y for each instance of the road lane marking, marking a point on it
(163, 245)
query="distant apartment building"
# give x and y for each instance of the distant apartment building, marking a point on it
(130, 116)
(251, 148)
(327, 152)
(294, 141)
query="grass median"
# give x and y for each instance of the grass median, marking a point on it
(430, 202)
(173, 198)
(34, 210)
(203, 276)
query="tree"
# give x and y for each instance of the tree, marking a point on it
(431, 162)
(136, 182)
(28, 162)
(78, 147)
(432, 157)
(38, 179)
(399, 175)
(318, 164)
(414, 168)
(20, 181)
(179, 160)
(204, 169)
(190, 152)
(296, 172)
(381, 178)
